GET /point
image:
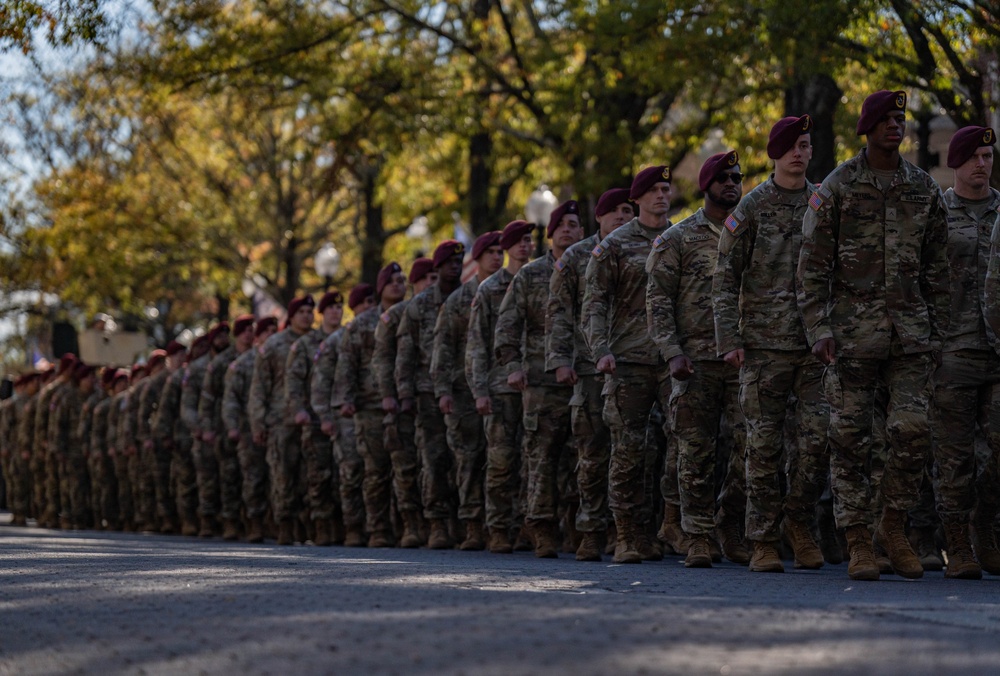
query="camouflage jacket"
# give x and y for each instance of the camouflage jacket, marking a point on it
(210, 403)
(415, 341)
(64, 420)
(149, 402)
(266, 405)
(88, 419)
(191, 386)
(520, 331)
(753, 288)
(168, 422)
(354, 378)
(9, 410)
(614, 302)
(565, 344)
(26, 423)
(386, 342)
(969, 259)
(451, 335)
(116, 423)
(131, 434)
(299, 374)
(872, 262)
(324, 374)
(482, 369)
(236, 393)
(97, 441)
(43, 409)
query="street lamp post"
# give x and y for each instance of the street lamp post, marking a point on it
(327, 264)
(539, 207)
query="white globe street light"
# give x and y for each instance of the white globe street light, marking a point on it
(327, 264)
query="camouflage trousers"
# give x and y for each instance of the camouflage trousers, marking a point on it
(467, 440)
(399, 439)
(185, 477)
(351, 471)
(255, 475)
(661, 421)
(436, 459)
(230, 478)
(123, 467)
(704, 404)
(504, 431)
(966, 393)
(284, 457)
(317, 451)
(74, 487)
(38, 472)
(54, 467)
(629, 396)
(547, 445)
(767, 380)
(381, 478)
(850, 386)
(593, 445)
(206, 467)
(103, 489)
(17, 474)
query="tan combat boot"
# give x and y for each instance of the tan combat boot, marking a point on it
(324, 534)
(231, 530)
(892, 535)
(731, 542)
(590, 548)
(474, 538)
(627, 547)
(380, 539)
(986, 538)
(671, 533)
(807, 553)
(286, 532)
(765, 559)
(354, 536)
(648, 549)
(207, 528)
(500, 541)
(411, 531)
(189, 528)
(255, 532)
(962, 564)
(439, 538)
(699, 553)
(545, 543)
(862, 565)
(922, 541)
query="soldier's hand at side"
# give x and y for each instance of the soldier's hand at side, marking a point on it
(327, 428)
(302, 418)
(681, 367)
(735, 358)
(25, 455)
(518, 380)
(208, 437)
(406, 405)
(348, 410)
(484, 406)
(566, 375)
(234, 435)
(825, 350)
(607, 364)
(147, 445)
(446, 404)
(390, 405)
(260, 438)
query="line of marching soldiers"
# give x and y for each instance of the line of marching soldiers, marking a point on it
(696, 388)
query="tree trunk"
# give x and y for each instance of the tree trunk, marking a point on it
(480, 175)
(818, 95)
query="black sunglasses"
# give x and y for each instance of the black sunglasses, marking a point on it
(736, 177)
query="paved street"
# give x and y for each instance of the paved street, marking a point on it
(87, 602)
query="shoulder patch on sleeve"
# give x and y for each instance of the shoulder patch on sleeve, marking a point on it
(736, 223)
(599, 251)
(560, 265)
(661, 243)
(385, 317)
(820, 197)
(319, 352)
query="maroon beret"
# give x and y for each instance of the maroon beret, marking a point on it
(303, 301)
(330, 298)
(221, 327)
(420, 269)
(447, 249)
(484, 242)
(713, 165)
(81, 371)
(610, 200)
(876, 106)
(785, 133)
(141, 369)
(265, 324)
(120, 374)
(173, 347)
(157, 357)
(966, 142)
(27, 378)
(566, 208)
(358, 295)
(198, 347)
(385, 276)
(647, 178)
(242, 323)
(108, 375)
(513, 232)
(67, 362)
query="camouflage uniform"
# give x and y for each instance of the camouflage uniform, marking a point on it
(873, 275)
(316, 452)
(753, 294)
(223, 448)
(614, 321)
(205, 463)
(253, 470)
(520, 345)
(268, 409)
(142, 463)
(349, 483)
(504, 426)
(679, 306)
(465, 427)
(17, 472)
(44, 471)
(103, 486)
(25, 442)
(66, 449)
(171, 434)
(967, 383)
(415, 337)
(565, 346)
(154, 464)
(398, 429)
(120, 459)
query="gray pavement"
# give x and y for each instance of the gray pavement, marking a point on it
(86, 602)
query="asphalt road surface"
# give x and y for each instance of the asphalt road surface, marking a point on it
(116, 603)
